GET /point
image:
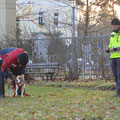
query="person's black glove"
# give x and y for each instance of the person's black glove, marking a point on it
(5, 74)
(107, 51)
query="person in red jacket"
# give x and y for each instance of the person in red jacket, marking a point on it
(14, 59)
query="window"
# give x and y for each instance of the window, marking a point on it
(56, 18)
(40, 18)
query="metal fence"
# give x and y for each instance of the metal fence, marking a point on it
(93, 62)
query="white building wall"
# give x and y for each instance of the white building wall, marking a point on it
(7, 18)
(2, 16)
(11, 18)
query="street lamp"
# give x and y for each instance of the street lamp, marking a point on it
(74, 71)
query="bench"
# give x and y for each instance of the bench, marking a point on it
(47, 69)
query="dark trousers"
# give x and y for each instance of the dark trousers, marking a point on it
(2, 90)
(115, 65)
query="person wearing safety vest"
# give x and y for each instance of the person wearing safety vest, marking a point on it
(114, 50)
(14, 59)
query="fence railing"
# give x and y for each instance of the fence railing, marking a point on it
(93, 62)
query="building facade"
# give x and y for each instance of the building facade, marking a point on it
(46, 17)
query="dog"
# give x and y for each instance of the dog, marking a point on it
(17, 85)
(20, 85)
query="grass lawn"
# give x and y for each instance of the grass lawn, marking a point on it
(50, 102)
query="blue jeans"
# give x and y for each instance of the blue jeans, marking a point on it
(115, 65)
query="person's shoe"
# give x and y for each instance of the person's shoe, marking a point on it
(2, 96)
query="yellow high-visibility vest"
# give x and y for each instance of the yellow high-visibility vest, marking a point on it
(115, 43)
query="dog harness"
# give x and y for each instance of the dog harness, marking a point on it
(14, 88)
